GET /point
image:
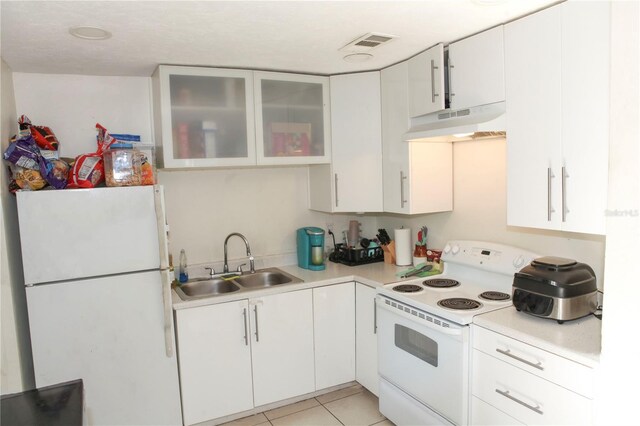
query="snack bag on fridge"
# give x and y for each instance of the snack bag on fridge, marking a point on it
(88, 169)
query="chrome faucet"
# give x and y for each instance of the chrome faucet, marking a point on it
(246, 243)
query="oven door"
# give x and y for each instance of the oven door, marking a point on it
(425, 356)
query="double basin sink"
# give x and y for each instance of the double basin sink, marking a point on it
(199, 288)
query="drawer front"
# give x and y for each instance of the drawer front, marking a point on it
(485, 414)
(526, 397)
(562, 371)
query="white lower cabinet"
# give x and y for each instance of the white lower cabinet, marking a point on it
(487, 415)
(512, 380)
(366, 338)
(334, 334)
(210, 338)
(282, 346)
(237, 355)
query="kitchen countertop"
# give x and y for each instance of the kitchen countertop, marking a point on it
(577, 340)
(373, 275)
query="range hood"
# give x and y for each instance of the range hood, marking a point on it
(456, 125)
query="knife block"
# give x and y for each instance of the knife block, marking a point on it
(390, 252)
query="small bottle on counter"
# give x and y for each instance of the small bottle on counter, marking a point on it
(183, 274)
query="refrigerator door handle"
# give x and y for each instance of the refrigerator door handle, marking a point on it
(161, 220)
(168, 314)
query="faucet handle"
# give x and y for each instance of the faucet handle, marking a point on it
(240, 268)
(211, 271)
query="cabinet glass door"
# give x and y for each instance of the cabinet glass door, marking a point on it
(292, 119)
(211, 120)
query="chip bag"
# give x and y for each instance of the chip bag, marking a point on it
(43, 135)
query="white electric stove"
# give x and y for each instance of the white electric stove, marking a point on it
(423, 331)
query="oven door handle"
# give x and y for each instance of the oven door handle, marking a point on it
(455, 331)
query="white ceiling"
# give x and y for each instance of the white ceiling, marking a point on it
(299, 36)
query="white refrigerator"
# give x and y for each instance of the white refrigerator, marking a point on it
(99, 300)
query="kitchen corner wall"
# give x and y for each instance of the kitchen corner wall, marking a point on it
(480, 211)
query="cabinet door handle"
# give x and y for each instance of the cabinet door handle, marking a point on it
(335, 179)
(375, 318)
(506, 394)
(255, 311)
(433, 81)
(402, 179)
(565, 210)
(508, 353)
(550, 209)
(246, 330)
(451, 66)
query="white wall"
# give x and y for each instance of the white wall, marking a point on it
(617, 401)
(16, 370)
(480, 212)
(72, 105)
(266, 205)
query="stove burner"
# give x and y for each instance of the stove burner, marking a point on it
(441, 283)
(407, 288)
(494, 295)
(459, 303)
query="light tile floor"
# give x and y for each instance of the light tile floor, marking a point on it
(352, 406)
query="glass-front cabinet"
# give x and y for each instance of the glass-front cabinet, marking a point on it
(212, 117)
(204, 117)
(292, 118)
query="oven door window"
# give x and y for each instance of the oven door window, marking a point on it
(416, 344)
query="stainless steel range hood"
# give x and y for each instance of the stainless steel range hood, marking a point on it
(456, 125)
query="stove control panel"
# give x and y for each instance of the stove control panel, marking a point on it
(489, 256)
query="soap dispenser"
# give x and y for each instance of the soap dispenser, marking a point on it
(183, 274)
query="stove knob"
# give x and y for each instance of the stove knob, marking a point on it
(447, 249)
(518, 262)
(455, 249)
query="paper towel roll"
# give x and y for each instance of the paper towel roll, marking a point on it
(404, 254)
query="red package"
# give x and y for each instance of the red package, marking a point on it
(88, 169)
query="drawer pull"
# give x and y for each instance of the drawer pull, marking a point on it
(508, 353)
(506, 394)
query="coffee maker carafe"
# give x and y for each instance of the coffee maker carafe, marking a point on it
(311, 248)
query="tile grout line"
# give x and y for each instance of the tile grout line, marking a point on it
(338, 399)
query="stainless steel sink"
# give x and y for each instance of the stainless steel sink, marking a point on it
(208, 287)
(266, 278)
(205, 287)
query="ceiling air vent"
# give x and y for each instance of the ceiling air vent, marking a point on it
(367, 42)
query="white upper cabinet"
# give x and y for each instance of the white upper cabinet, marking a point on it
(204, 117)
(353, 180)
(476, 69)
(292, 118)
(534, 122)
(585, 115)
(426, 80)
(558, 117)
(417, 176)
